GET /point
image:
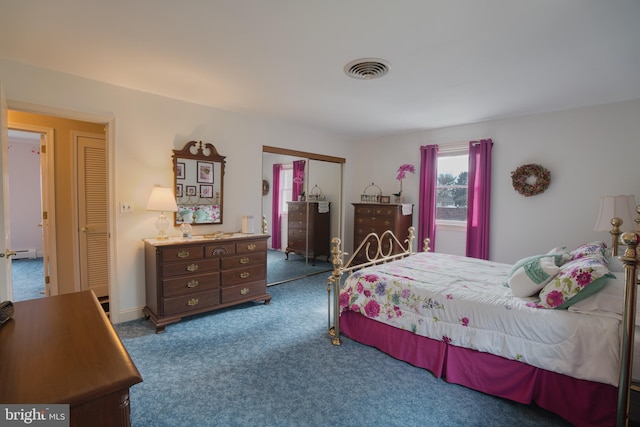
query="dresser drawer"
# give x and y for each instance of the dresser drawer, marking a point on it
(191, 302)
(233, 293)
(198, 266)
(219, 250)
(190, 284)
(297, 208)
(297, 221)
(246, 260)
(380, 222)
(247, 247)
(297, 233)
(387, 211)
(243, 275)
(181, 254)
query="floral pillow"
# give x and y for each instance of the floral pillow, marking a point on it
(532, 274)
(561, 254)
(596, 249)
(576, 280)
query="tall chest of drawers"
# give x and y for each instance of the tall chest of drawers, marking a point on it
(378, 218)
(308, 230)
(191, 276)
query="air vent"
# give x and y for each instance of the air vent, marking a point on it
(367, 68)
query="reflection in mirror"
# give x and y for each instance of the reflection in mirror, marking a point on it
(199, 183)
(305, 194)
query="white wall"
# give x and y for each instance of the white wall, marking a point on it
(147, 129)
(591, 152)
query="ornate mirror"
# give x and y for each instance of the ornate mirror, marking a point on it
(199, 183)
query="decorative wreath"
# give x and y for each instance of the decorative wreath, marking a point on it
(531, 179)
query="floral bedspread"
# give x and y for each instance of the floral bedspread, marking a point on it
(466, 302)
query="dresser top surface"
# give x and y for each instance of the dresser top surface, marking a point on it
(206, 238)
(62, 349)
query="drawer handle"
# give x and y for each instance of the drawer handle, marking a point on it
(183, 254)
(244, 260)
(192, 302)
(192, 284)
(244, 275)
(219, 251)
(244, 291)
(251, 246)
(192, 267)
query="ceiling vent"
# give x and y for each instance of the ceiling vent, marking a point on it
(367, 68)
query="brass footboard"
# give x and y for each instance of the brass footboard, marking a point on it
(363, 251)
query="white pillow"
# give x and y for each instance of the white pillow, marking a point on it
(532, 275)
(607, 301)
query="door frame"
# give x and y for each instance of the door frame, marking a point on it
(48, 203)
(109, 122)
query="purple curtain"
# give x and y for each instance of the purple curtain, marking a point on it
(479, 198)
(298, 179)
(427, 197)
(275, 208)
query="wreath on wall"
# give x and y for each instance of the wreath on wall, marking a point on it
(531, 179)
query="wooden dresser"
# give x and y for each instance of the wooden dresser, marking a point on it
(190, 276)
(378, 218)
(63, 350)
(306, 221)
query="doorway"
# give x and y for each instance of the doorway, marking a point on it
(66, 274)
(26, 207)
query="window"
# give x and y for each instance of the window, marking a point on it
(286, 187)
(452, 188)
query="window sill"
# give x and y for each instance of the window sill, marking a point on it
(451, 225)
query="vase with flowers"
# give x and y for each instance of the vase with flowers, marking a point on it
(402, 173)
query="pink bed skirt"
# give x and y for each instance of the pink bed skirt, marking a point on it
(581, 402)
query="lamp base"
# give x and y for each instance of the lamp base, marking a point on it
(162, 224)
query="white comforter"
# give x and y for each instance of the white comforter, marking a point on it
(466, 302)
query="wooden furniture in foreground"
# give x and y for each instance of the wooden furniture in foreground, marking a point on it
(308, 230)
(378, 218)
(191, 276)
(63, 350)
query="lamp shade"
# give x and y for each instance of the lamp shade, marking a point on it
(623, 207)
(162, 200)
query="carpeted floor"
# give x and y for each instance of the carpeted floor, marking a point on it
(274, 365)
(28, 279)
(281, 269)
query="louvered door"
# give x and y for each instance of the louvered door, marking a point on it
(93, 237)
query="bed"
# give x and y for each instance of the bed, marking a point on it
(458, 317)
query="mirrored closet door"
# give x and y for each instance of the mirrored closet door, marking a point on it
(302, 206)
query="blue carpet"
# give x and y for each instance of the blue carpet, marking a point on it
(28, 279)
(281, 269)
(274, 365)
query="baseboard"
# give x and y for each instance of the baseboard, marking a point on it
(129, 315)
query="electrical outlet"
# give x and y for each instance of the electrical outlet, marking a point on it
(126, 207)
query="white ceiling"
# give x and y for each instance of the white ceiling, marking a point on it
(452, 61)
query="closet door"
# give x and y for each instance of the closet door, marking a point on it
(93, 238)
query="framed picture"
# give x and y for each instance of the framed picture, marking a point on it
(385, 199)
(206, 191)
(191, 190)
(178, 190)
(205, 172)
(179, 170)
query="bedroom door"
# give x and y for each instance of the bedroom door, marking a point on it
(6, 288)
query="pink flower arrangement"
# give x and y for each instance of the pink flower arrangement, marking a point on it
(402, 172)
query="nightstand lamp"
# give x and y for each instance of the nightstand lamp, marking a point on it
(162, 200)
(617, 214)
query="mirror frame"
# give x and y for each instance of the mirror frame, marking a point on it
(199, 151)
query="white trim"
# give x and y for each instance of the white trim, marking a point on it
(451, 225)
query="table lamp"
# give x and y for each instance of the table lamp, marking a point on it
(162, 200)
